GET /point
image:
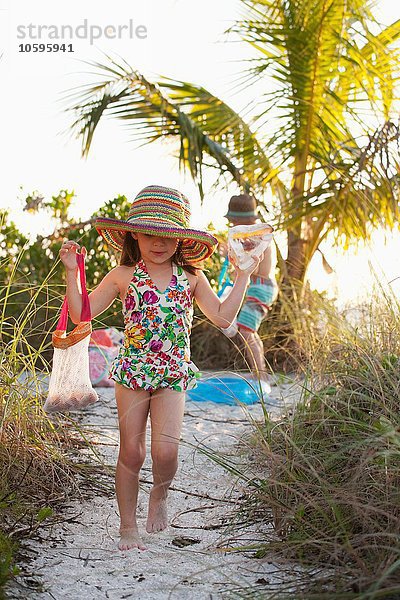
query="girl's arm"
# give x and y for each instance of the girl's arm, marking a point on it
(222, 314)
(100, 299)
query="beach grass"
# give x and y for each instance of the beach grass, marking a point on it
(322, 481)
(40, 466)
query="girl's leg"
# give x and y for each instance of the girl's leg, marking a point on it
(166, 414)
(133, 409)
(254, 349)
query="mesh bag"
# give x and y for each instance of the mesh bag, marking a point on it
(70, 387)
(247, 240)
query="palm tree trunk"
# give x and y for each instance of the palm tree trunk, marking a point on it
(296, 265)
(303, 242)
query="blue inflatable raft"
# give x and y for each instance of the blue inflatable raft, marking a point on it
(227, 390)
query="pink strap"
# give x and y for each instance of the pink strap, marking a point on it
(85, 312)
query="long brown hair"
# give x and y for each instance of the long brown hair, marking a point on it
(130, 255)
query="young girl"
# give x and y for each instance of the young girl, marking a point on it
(157, 282)
(261, 293)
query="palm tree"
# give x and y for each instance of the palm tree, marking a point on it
(321, 138)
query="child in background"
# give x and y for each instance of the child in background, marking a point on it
(262, 291)
(157, 280)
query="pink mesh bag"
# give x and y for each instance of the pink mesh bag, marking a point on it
(70, 387)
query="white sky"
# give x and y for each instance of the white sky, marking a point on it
(185, 40)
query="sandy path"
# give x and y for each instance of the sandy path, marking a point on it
(79, 559)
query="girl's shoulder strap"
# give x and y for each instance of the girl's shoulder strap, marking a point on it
(181, 275)
(179, 271)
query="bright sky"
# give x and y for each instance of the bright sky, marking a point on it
(184, 40)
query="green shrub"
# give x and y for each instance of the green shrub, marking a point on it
(7, 570)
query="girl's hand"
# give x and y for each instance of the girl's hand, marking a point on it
(249, 270)
(68, 254)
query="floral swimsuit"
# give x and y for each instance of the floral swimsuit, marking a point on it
(156, 349)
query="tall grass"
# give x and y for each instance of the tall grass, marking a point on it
(324, 479)
(39, 466)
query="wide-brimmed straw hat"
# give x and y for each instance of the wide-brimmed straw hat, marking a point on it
(242, 207)
(164, 212)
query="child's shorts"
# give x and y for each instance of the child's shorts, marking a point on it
(258, 300)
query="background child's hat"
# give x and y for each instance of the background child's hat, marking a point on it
(164, 212)
(242, 206)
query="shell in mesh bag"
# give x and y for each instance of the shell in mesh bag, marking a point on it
(70, 387)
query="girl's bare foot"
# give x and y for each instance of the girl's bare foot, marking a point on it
(157, 518)
(130, 538)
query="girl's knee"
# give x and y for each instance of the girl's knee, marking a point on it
(132, 456)
(166, 455)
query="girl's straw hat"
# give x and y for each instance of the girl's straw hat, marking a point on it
(163, 212)
(243, 207)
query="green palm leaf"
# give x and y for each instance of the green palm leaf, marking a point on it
(200, 121)
(317, 137)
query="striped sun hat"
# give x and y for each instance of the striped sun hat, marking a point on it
(164, 212)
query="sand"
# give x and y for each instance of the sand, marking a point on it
(193, 557)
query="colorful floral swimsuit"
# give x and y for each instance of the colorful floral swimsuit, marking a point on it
(156, 349)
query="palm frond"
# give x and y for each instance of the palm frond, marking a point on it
(359, 193)
(312, 52)
(201, 122)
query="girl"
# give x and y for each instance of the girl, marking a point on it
(261, 293)
(156, 281)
